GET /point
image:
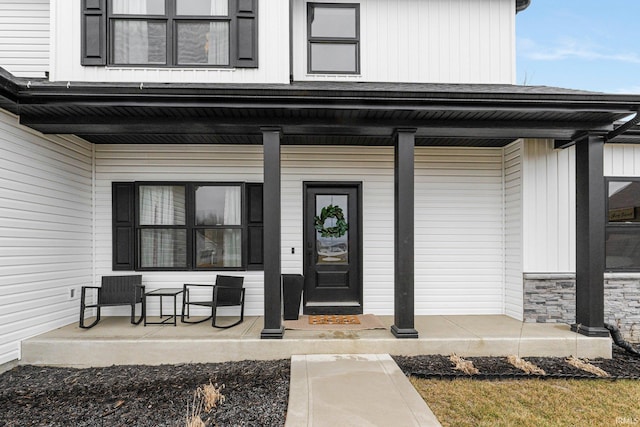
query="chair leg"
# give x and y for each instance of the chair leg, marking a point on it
(82, 325)
(133, 314)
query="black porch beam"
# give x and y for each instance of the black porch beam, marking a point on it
(590, 237)
(273, 328)
(403, 326)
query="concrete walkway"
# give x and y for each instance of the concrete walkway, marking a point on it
(353, 390)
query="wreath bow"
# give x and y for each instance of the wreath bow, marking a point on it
(327, 212)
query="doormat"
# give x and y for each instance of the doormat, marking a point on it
(367, 321)
(334, 319)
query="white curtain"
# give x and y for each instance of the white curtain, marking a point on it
(131, 41)
(160, 206)
(218, 43)
(232, 216)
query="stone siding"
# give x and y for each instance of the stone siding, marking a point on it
(552, 299)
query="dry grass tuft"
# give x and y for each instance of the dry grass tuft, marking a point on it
(586, 366)
(463, 365)
(205, 399)
(525, 366)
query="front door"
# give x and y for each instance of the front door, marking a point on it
(333, 248)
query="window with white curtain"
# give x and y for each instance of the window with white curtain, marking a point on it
(183, 226)
(169, 32)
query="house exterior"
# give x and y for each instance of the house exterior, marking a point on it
(179, 140)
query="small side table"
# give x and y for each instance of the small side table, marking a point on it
(164, 292)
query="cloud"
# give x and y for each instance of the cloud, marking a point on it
(628, 90)
(567, 49)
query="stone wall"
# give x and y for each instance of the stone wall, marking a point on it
(551, 298)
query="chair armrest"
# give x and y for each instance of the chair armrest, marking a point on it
(83, 292)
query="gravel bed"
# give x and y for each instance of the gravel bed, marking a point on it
(256, 392)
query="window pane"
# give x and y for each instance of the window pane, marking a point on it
(623, 249)
(624, 201)
(218, 205)
(333, 57)
(219, 248)
(162, 205)
(202, 7)
(333, 22)
(139, 42)
(163, 248)
(137, 7)
(333, 247)
(203, 43)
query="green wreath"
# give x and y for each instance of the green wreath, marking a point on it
(331, 211)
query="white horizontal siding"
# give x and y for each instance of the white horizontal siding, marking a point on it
(459, 263)
(513, 230)
(549, 201)
(45, 231)
(24, 37)
(459, 227)
(273, 50)
(436, 41)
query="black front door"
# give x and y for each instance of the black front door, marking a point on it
(333, 248)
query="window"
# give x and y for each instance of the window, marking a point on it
(187, 226)
(333, 32)
(170, 33)
(623, 224)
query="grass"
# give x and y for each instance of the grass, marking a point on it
(534, 403)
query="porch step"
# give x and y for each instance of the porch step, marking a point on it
(115, 341)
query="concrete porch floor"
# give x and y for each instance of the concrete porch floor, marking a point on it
(114, 341)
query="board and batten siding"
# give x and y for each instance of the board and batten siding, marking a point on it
(273, 52)
(549, 210)
(459, 226)
(24, 37)
(435, 41)
(513, 304)
(45, 231)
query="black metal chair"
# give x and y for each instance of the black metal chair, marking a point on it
(228, 291)
(115, 290)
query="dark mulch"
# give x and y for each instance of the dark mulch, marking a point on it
(256, 391)
(622, 365)
(256, 394)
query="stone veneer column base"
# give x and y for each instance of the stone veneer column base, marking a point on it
(551, 298)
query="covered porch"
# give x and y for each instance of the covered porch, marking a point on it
(116, 341)
(402, 117)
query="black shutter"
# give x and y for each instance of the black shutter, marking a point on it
(123, 225)
(254, 227)
(244, 46)
(94, 36)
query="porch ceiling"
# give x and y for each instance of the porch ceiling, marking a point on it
(311, 112)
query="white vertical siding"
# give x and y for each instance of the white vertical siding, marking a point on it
(513, 298)
(273, 48)
(549, 201)
(548, 207)
(24, 37)
(459, 231)
(45, 231)
(459, 255)
(437, 41)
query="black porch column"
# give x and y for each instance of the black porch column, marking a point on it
(403, 326)
(271, 210)
(590, 237)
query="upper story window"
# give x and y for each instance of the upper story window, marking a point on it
(623, 224)
(170, 33)
(333, 34)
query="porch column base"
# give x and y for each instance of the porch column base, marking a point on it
(404, 333)
(590, 331)
(272, 334)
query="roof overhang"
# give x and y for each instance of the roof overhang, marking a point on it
(312, 112)
(522, 5)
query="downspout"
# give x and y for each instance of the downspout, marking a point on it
(290, 41)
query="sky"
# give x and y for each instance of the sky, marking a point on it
(580, 44)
